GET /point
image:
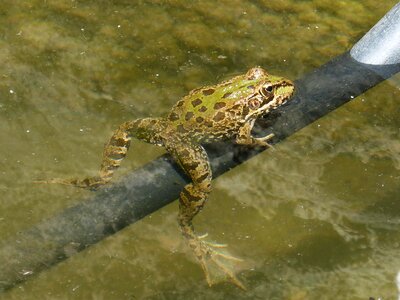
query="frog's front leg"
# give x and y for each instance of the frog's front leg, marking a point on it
(244, 136)
(194, 161)
(147, 130)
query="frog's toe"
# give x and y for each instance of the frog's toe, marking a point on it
(203, 236)
(210, 244)
(232, 277)
(227, 256)
(267, 137)
(215, 245)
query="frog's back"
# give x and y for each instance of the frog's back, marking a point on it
(213, 103)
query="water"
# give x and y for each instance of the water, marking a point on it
(315, 219)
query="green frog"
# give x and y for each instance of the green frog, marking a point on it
(227, 110)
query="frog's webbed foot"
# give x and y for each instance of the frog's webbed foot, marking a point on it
(216, 263)
(87, 183)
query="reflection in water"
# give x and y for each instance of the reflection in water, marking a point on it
(318, 217)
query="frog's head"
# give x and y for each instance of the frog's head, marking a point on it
(269, 93)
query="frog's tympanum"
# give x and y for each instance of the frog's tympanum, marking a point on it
(223, 111)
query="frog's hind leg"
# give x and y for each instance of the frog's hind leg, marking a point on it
(193, 159)
(147, 130)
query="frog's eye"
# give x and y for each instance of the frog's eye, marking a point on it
(266, 91)
(254, 103)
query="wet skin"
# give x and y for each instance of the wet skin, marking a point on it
(223, 111)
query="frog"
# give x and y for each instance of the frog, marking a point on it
(224, 111)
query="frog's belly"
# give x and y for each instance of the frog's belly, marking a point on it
(217, 132)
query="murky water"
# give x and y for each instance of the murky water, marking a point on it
(316, 219)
